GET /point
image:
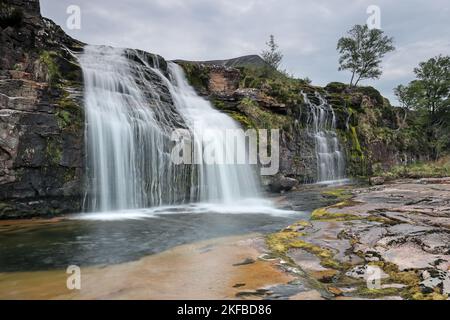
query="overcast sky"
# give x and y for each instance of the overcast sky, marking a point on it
(307, 31)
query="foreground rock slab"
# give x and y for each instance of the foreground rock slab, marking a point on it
(389, 241)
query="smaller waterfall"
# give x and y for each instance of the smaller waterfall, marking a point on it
(322, 127)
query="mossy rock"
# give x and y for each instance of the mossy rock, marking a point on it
(197, 75)
(336, 87)
(10, 16)
(371, 92)
(48, 58)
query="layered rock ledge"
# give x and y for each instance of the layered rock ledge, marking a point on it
(397, 233)
(41, 115)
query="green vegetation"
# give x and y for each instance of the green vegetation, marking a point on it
(432, 169)
(54, 75)
(197, 76)
(428, 99)
(272, 56)
(69, 115)
(264, 119)
(280, 242)
(338, 193)
(274, 83)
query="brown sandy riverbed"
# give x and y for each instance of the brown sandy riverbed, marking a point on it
(203, 270)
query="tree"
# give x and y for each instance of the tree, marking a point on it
(272, 56)
(429, 95)
(407, 96)
(434, 79)
(362, 51)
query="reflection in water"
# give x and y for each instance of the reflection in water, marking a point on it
(97, 242)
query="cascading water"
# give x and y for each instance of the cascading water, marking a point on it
(127, 136)
(218, 181)
(322, 127)
(128, 129)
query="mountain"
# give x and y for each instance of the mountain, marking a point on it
(244, 61)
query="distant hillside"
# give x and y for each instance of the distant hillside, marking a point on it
(244, 61)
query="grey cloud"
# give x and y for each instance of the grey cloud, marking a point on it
(307, 31)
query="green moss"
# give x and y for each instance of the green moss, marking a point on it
(48, 59)
(372, 93)
(261, 118)
(347, 202)
(324, 214)
(336, 87)
(70, 175)
(197, 76)
(410, 279)
(355, 140)
(219, 104)
(279, 242)
(242, 119)
(54, 151)
(69, 114)
(339, 193)
(375, 293)
(63, 118)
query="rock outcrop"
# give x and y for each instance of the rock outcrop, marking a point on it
(373, 133)
(383, 241)
(41, 118)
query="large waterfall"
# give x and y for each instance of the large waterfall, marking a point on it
(132, 107)
(322, 127)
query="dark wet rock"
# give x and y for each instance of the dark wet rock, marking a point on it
(435, 279)
(245, 262)
(256, 293)
(41, 117)
(281, 183)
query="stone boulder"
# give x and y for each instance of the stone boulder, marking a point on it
(281, 183)
(376, 181)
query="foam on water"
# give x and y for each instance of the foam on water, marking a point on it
(246, 206)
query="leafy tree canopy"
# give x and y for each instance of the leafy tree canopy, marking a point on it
(361, 52)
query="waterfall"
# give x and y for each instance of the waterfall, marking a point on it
(217, 182)
(132, 107)
(322, 127)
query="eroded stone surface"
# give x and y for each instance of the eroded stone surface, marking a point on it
(401, 227)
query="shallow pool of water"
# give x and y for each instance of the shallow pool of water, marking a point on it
(116, 237)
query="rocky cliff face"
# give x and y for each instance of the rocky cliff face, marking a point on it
(41, 118)
(374, 134)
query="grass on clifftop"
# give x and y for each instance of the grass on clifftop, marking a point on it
(435, 169)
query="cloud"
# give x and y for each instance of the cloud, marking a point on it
(307, 31)
(402, 62)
